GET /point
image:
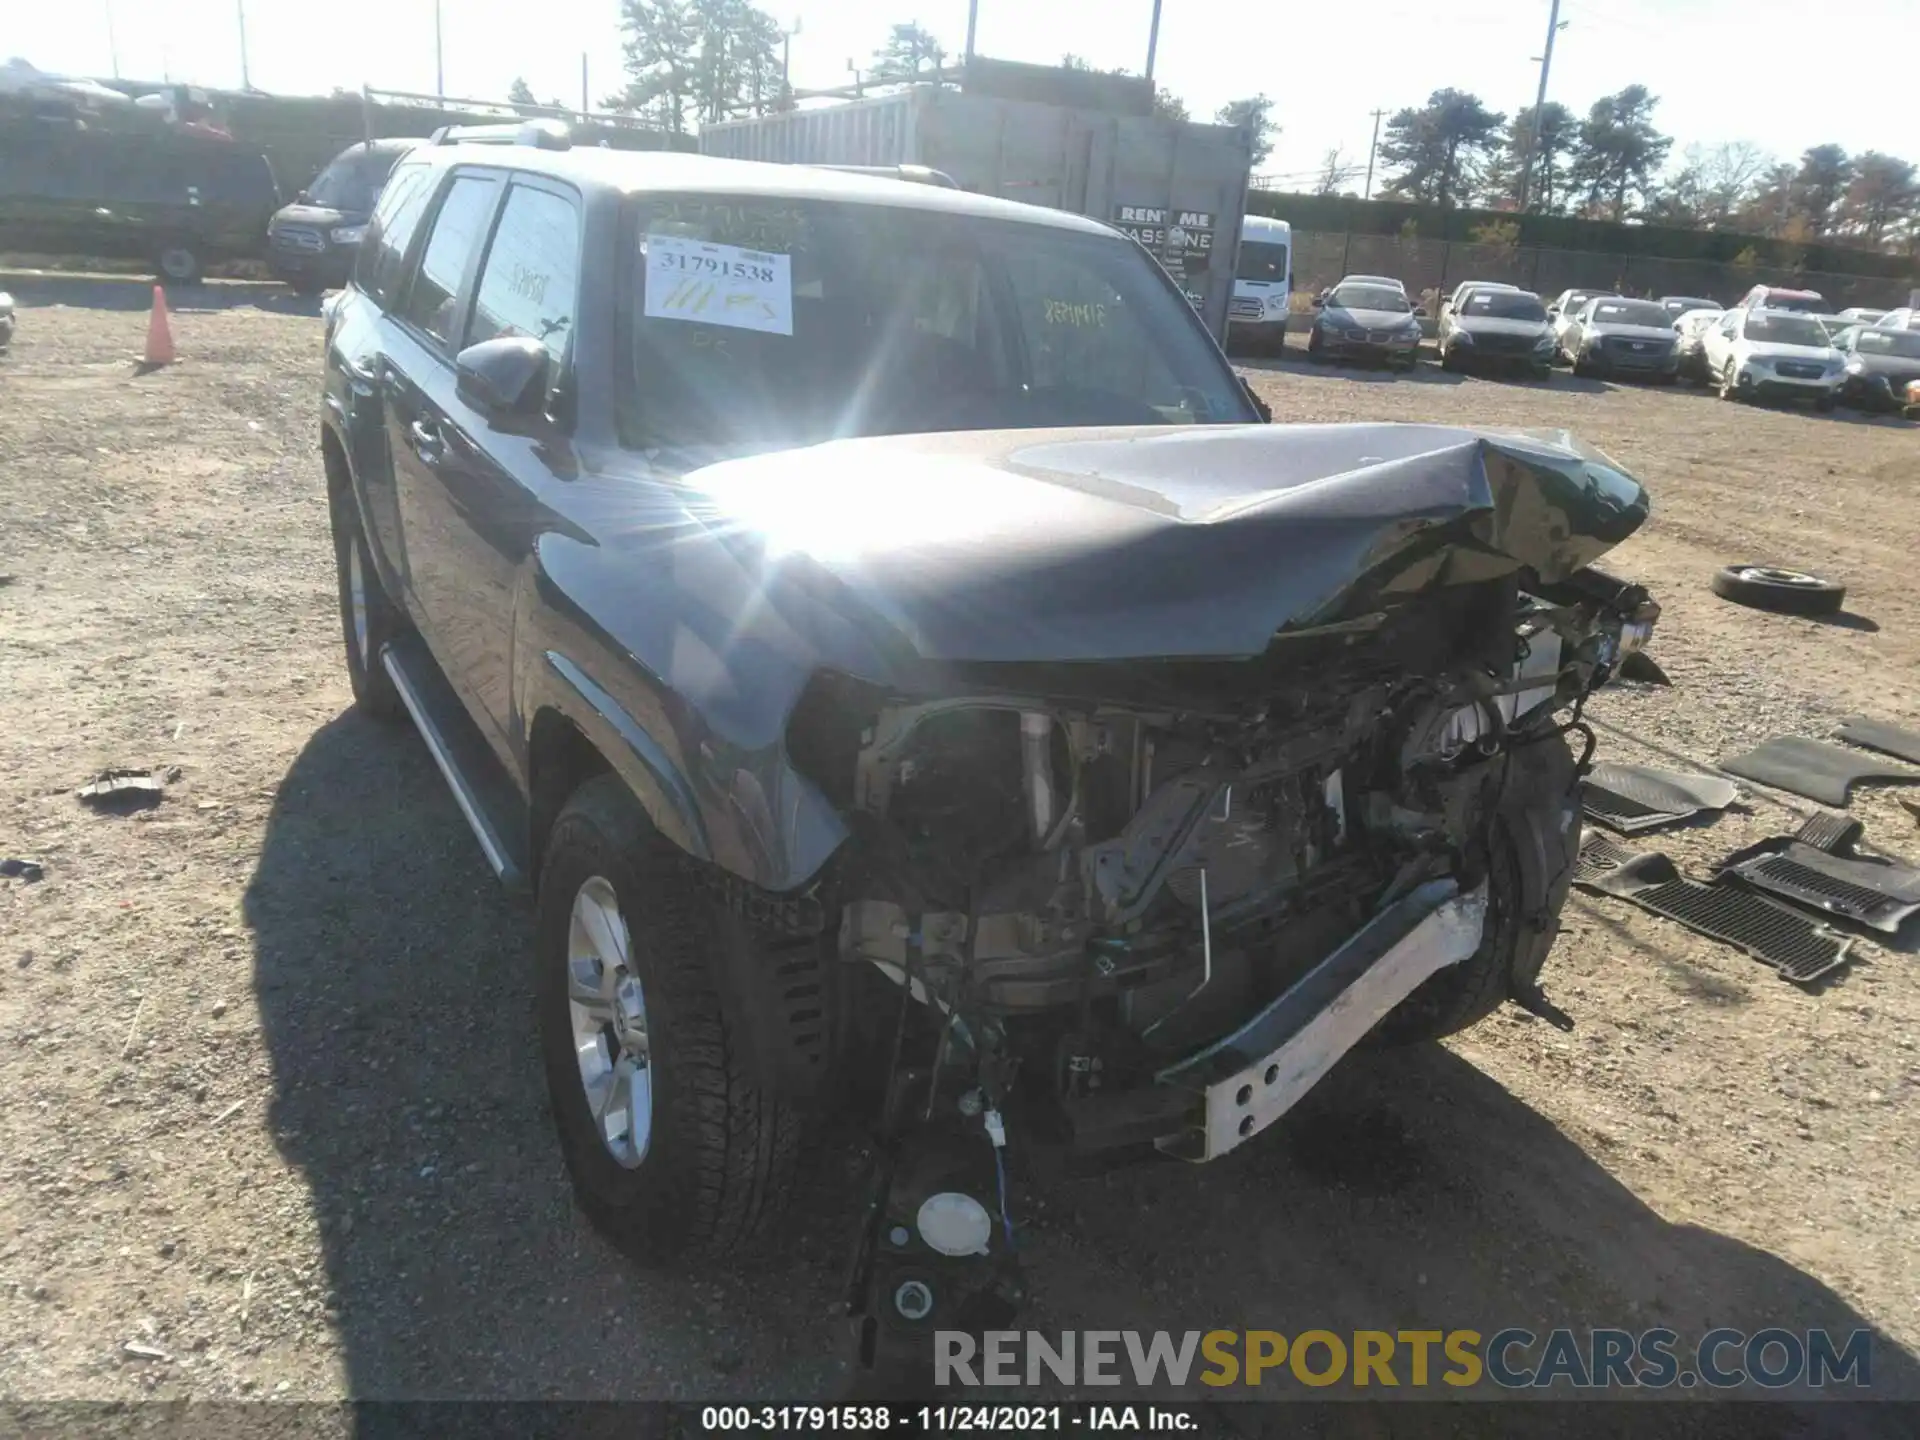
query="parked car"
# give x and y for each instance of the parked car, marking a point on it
(1878, 366)
(1461, 291)
(1361, 320)
(1262, 285)
(1904, 318)
(178, 202)
(1779, 297)
(1502, 327)
(1678, 305)
(1565, 310)
(1773, 355)
(1619, 337)
(312, 243)
(855, 736)
(1690, 355)
(1856, 315)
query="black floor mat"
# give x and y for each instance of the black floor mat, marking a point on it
(1878, 735)
(1799, 948)
(1806, 767)
(1832, 833)
(1867, 892)
(1632, 798)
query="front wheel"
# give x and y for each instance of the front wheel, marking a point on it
(1824, 404)
(1532, 844)
(368, 618)
(675, 1147)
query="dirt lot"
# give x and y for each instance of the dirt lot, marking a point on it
(269, 1100)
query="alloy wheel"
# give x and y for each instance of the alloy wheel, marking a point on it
(609, 1015)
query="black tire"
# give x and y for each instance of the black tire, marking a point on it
(1581, 367)
(1534, 843)
(1824, 404)
(1786, 592)
(379, 620)
(178, 263)
(721, 1157)
(1314, 352)
(1447, 359)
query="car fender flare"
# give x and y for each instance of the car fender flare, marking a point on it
(663, 789)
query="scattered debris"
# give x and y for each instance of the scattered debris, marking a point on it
(1878, 893)
(134, 1350)
(134, 1028)
(1799, 948)
(28, 870)
(1878, 735)
(123, 790)
(1821, 772)
(226, 1114)
(1832, 833)
(1772, 587)
(1632, 798)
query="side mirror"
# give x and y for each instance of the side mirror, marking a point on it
(506, 375)
(1320, 301)
(1419, 312)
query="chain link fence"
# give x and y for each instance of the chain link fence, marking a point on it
(1432, 267)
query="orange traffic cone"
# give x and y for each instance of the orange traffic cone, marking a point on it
(159, 332)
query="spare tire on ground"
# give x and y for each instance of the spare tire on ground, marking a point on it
(1770, 587)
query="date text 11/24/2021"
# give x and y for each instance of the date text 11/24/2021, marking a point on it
(913, 1419)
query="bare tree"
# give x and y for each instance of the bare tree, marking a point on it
(1335, 171)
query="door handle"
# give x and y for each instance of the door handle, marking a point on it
(426, 439)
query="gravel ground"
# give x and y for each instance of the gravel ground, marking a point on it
(271, 1120)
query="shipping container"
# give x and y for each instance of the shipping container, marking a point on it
(1177, 187)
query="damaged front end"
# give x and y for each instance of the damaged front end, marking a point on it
(1140, 905)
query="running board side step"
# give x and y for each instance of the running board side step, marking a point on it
(481, 787)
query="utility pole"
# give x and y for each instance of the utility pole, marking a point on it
(1539, 104)
(113, 47)
(973, 23)
(1153, 39)
(1372, 147)
(439, 66)
(241, 7)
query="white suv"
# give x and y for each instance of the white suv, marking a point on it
(1773, 355)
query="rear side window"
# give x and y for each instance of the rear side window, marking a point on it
(530, 282)
(384, 249)
(457, 231)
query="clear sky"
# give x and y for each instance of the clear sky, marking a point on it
(1781, 73)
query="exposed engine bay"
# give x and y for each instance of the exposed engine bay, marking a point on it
(1158, 873)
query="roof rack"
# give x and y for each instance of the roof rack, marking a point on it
(918, 174)
(539, 134)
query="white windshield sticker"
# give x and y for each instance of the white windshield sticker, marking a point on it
(719, 285)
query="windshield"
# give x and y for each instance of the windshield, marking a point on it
(1786, 329)
(1682, 305)
(1261, 260)
(1370, 297)
(1630, 312)
(1801, 302)
(1505, 305)
(1888, 342)
(790, 322)
(352, 182)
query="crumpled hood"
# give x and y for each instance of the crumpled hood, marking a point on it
(1113, 544)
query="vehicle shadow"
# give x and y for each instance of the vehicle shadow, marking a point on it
(392, 980)
(31, 289)
(391, 974)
